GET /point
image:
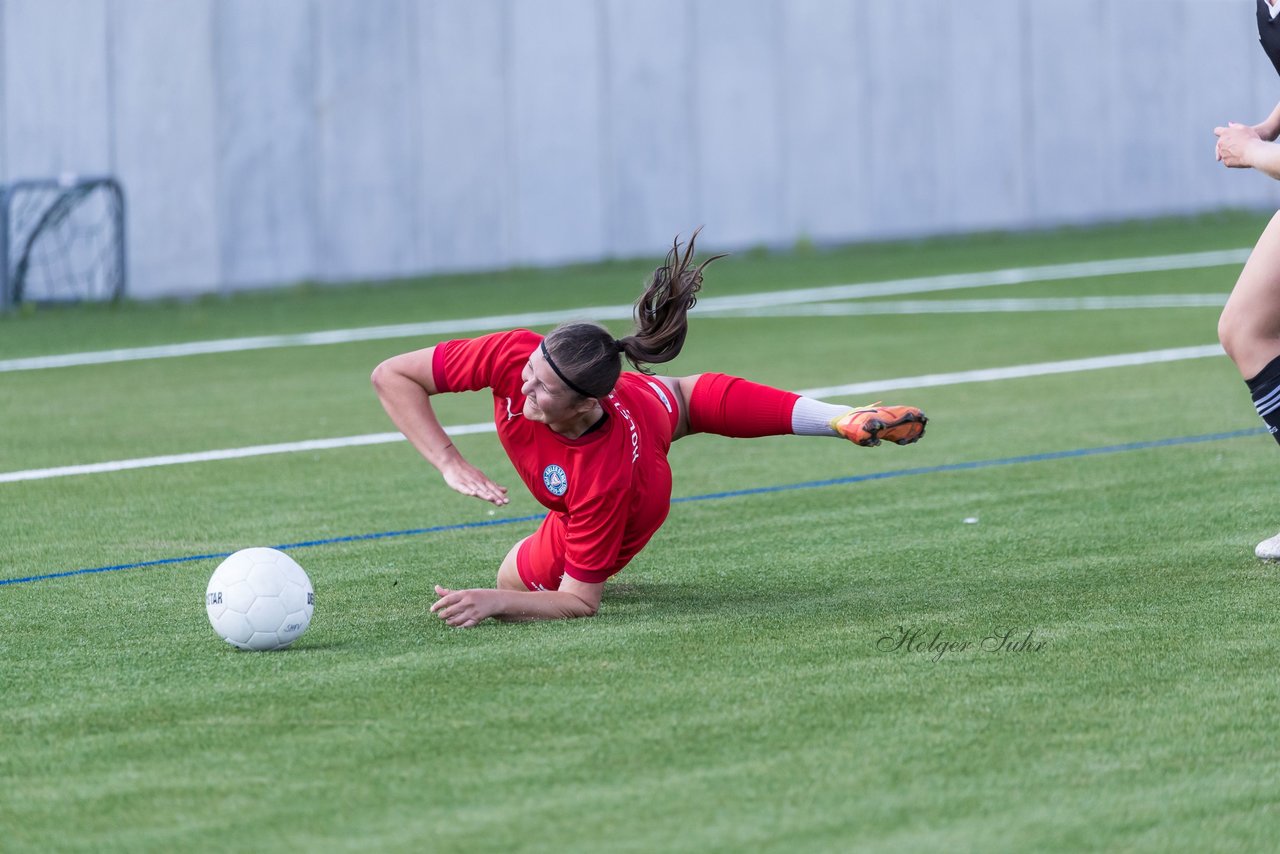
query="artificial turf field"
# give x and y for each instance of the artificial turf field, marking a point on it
(736, 691)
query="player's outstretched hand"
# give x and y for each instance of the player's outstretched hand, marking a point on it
(469, 480)
(464, 608)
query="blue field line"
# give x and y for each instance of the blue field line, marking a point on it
(980, 464)
(710, 496)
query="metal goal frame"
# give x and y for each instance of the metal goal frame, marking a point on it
(60, 200)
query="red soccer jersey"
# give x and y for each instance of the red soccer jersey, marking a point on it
(613, 484)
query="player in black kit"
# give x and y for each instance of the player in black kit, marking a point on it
(1249, 328)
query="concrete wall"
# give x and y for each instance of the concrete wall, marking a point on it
(271, 142)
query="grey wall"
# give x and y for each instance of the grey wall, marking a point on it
(270, 142)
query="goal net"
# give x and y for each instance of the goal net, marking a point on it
(61, 240)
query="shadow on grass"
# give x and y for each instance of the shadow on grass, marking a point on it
(293, 650)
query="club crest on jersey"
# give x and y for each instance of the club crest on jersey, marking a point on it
(555, 480)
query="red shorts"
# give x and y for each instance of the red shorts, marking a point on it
(540, 558)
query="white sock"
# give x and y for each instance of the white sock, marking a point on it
(813, 417)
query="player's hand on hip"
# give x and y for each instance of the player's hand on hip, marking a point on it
(465, 608)
(1234, 144)
(469, 480)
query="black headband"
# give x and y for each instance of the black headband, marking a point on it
(546, 355)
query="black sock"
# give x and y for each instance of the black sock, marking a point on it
(1265, 389)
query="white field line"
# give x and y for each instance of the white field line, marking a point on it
(1096, 363)
(977, 306)
(229, 454)
(872, 387)
(769, 299)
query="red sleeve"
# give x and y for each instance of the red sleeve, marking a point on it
(471, 364)
(593, 537)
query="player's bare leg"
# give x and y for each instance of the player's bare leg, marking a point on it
(1249, 330)
(1249, 327)
(508, 573)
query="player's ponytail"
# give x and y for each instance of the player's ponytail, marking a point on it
(662, 312)
(588, 358)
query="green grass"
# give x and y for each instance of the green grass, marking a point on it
(733, 694)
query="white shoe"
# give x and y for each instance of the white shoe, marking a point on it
(1269, 549)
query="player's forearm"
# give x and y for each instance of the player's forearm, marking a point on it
(519, 606)
(1265, 157)
(409, 406)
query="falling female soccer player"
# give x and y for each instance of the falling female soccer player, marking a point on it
(590, 440)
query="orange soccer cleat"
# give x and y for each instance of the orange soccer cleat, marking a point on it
(867, 426)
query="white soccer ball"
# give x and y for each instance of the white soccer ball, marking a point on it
(259, 599)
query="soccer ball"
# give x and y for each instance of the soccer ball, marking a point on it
(259, 599)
